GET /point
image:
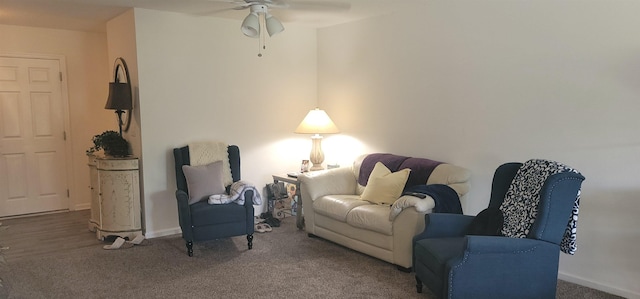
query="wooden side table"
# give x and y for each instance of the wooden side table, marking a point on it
(287, 179)
(115, 197)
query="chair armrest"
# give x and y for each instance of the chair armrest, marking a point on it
(333, 181)
(503, 245)
(525, 266)
(184, 214)
(443, 225)
(248, 198)
(248, 205)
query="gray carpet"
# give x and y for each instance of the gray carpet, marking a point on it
(284, 263)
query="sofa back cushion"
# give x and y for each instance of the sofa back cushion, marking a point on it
(420, 168)
(392, 162)
(429, 172)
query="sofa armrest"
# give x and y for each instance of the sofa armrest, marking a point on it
(453, 176)
(314, 185)
(333, 181)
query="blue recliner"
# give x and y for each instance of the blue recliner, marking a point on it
(202, 221)
(454, 264)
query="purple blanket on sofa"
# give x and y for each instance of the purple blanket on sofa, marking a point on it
(421, 168)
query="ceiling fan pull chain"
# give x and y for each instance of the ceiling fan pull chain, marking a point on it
(262, 38)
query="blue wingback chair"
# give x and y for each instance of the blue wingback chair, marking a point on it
(202, 221)
(453, 264)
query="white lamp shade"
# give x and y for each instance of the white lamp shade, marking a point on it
(273, 25)
(317, 122)
(251, 25)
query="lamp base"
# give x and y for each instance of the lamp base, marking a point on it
(316, 167)
(317, 156)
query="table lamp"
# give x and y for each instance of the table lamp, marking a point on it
(317, 122)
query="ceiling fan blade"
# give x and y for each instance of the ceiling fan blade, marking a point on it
(238, 5)
(315, 5)
(236, 2)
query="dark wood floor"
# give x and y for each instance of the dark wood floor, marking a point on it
(40, 235)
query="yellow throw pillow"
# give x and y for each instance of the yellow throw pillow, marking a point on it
(385, 187)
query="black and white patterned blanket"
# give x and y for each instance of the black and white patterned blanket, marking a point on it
(520, 206)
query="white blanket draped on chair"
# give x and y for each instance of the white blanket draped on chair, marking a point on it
(205, 152)
(236, 194)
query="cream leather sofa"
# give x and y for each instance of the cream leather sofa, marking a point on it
(333, 210)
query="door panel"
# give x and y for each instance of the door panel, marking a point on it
(32, 148)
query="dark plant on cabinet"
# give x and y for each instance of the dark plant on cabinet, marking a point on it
(112, 143)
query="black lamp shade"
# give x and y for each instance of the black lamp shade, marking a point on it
(119, 96)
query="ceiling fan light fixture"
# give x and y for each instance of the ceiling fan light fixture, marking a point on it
(273, 25)
(251, 25)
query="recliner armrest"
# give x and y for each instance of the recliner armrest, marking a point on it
(524, 266)
(248, 205)
(443, 225)
(184, 213)
(248, 198)
(499, 244)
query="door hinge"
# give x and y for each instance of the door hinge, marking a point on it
(64, 135)
(60, 73)
(68, 193)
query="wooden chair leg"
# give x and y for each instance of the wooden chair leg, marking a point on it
(190, 248)
(418, 284)
(250, 240)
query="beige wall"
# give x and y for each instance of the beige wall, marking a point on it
(201, 79)
(87, 73)
(480, 83)
(467, 82)
(121, 43)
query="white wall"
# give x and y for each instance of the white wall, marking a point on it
(201, 79)
(87, 74)
(480, 83)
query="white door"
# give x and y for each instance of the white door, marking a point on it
(33, 176)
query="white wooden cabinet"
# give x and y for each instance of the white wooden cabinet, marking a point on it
(115, 197)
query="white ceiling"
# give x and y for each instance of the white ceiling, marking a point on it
(91, 15)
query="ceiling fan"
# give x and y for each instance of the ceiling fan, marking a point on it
(259, 13)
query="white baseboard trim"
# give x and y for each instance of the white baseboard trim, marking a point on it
(82, 206)
(598, 286)
(163, 233)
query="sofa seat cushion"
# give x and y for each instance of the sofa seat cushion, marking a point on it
(372, 217)
(337, 206)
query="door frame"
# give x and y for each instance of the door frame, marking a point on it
(65, 115)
